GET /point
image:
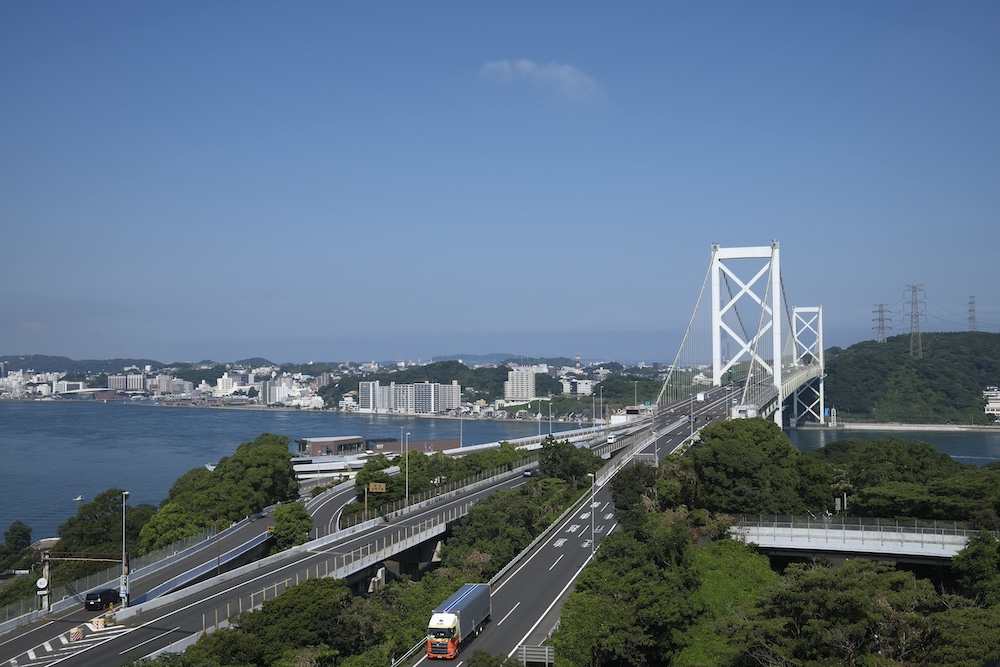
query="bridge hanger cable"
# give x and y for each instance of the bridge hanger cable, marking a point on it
(736, 306)
(687, 332)
(755, 359)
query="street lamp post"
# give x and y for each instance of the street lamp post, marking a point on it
(407, 468)
(124, 581)
(593, 536)
(691, 415)
(602, 405)
(635, 393)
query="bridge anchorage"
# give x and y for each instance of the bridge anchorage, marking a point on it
(764, 351)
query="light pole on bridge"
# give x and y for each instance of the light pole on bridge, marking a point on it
(124, 581)
(691, 416)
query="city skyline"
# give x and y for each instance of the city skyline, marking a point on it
(403, 182)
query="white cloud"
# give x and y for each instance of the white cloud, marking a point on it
(564, 80)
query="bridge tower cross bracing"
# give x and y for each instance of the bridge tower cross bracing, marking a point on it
(751, 345)
(809, 398)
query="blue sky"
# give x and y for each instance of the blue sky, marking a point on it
(353, 181)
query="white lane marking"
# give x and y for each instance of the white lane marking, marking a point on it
(500, 622)
(152, 639)
(548, 609)
(557, 562)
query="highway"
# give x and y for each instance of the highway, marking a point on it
(527, 600)
(517, 619)
(173, 617)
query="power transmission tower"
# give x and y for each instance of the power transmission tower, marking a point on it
(916, 347)
(880, 320)
(972, 314)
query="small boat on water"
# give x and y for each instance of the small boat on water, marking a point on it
(78, 499)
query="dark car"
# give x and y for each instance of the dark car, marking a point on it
(531, 472)
(101, 599)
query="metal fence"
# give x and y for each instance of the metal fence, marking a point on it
(339, 565)
(375, 512)
(80, 586)
(860, 523)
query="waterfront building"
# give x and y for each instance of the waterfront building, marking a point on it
(402, 399)
(164, 384)
(368, 397)
(422, 398)
(577, 387)
(992, 396)
(520, 385)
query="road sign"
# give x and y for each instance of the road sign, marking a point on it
(376, 487)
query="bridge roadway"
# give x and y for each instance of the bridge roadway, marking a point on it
(162, 622)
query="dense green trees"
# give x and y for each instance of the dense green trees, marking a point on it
(744, 466)
(319, 622)
(838, 616)
(668, 588)
(563, 459)
(257, 475)
(734, 611)
(421, 472)
(893, 478)
(477, 383)
(16, 540)
(883, 382)
(292, 523)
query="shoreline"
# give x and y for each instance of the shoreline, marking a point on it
(894, 426)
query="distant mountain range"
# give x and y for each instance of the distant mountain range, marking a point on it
(41, 363)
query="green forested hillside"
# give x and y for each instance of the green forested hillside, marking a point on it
(476, 382)
(883, 382)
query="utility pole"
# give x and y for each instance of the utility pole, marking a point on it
(880, 319)
(916, 347)
(972, 314)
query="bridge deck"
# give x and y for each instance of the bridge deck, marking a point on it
(920, 539)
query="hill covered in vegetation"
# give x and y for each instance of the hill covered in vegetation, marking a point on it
(884, 382)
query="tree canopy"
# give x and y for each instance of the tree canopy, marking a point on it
(257, 475)
(883, 382)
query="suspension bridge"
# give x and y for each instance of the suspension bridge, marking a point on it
(745, 334)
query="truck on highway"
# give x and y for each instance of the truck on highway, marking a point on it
(701, 397)
(458, 619)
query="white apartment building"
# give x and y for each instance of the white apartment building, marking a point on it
(520, 385)
(368, 397)
(402, 399)
(419, 398)
(992, 396)
(425, 397)
(577, 387)
(449, 396)
(225, 385)
(164, 384)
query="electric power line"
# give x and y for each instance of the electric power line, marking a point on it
(916, 345)
(880, 320)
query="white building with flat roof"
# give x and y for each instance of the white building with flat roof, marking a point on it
(520, 385)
